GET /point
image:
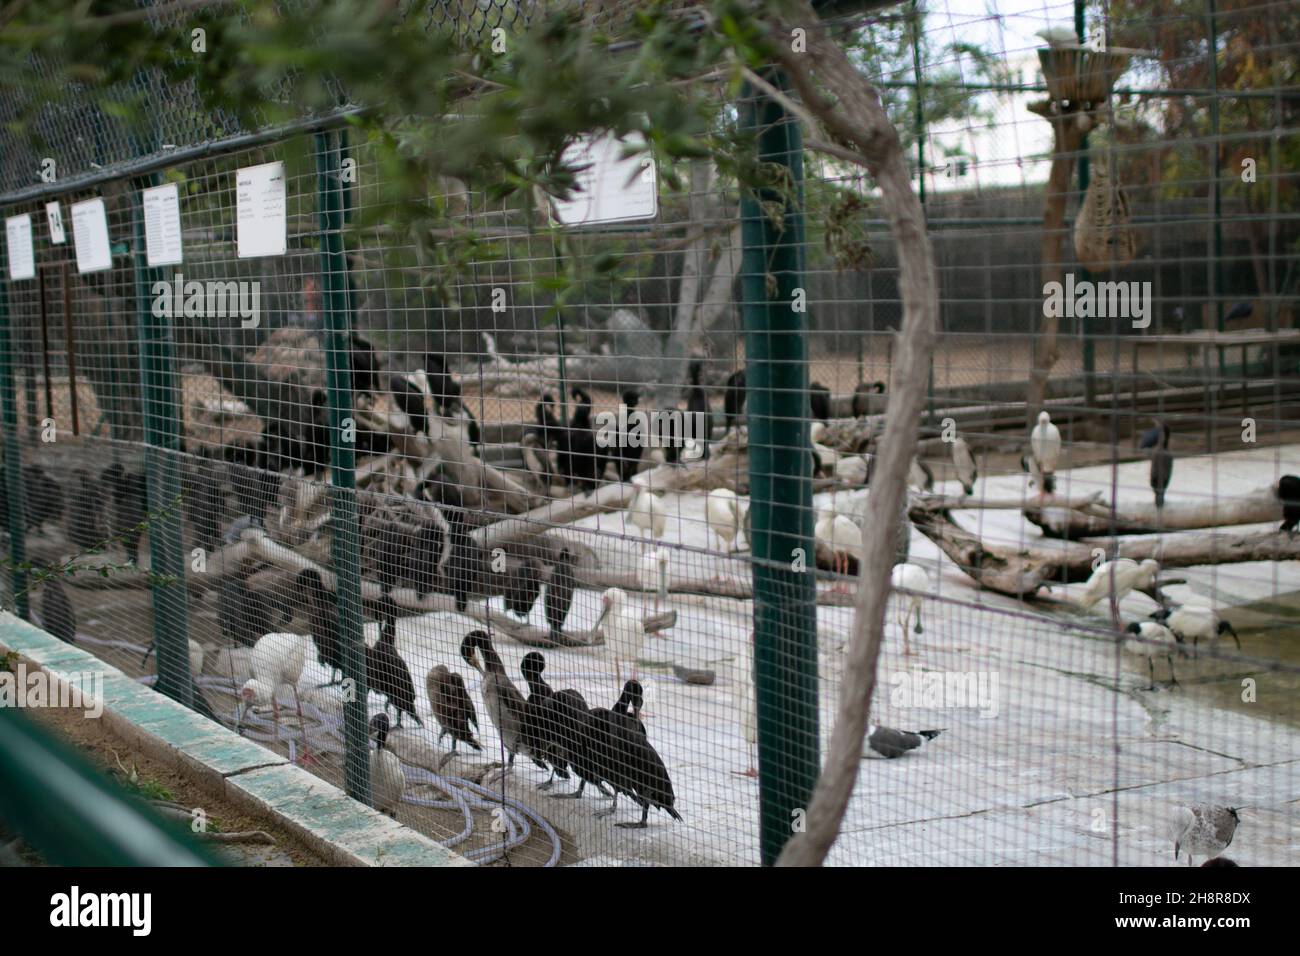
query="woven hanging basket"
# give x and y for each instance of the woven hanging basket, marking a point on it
(1103, 237)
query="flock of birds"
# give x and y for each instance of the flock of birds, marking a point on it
(605, 747)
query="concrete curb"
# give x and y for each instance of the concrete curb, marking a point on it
(340, 829)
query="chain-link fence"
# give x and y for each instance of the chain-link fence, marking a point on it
(357, 474)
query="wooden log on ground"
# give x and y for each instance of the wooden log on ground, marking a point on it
(1095, 520)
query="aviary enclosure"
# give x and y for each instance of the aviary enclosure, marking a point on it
(571, 482)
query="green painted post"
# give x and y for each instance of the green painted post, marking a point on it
(780, 480)
(161, 407)
(13, 457)
(919, 132)
(345, 548)
(1089, 345)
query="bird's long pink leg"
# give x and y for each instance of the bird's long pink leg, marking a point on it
(306, 757)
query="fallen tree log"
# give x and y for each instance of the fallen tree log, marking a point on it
(1097, 520)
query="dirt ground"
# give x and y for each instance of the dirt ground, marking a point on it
(119, 760)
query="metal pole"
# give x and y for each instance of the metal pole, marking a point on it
(1215, 272)
(780, 480)
(13, 458)
(346, 538)
(919, 132)
(161, 407)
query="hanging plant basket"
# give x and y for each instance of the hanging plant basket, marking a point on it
(1079, 75)
(1103, 235)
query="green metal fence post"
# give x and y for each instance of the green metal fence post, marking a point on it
(161, 407)
(780, 479)
(346, 537)
(13, 456)
(1089, 344)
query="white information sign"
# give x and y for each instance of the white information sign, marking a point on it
(90, 236)
(611, 188)
(18, 243)
(162, 225)
(260, 210)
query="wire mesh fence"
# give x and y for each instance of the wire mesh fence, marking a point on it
(420, 511)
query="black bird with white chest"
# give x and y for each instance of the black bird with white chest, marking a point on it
(892, 743)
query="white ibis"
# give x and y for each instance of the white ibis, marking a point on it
(1152, 640)
(826, 457)
(853, 470)
(278, 660)
(624, 635)
(1045, 446)
(839, 545)
(964, 462)
(387, 782)
(648, 514)
(1128, 575)
(1058, 36)
(1198, 622)
(1203, 830)
(915, 580)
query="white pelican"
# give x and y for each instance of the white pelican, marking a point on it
(624, 635)
(964, 462)
(387, 782)
(647, 513)
(1045, 444)
(1152, 640)
(278, 659)
(722, 510)
(853, 470)
(916, 580)
(1197, 622)
(1129, 575)
(839, 545)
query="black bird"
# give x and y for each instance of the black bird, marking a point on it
(733, 399)
(861, 399)
(452, 707)
(387, 546)
(315, 446)
(1162, 461)
(523, 585)
(892, 743)
(386, 671)
(573, 741)
(204, 504)
(1288, 489)
(365, 366)
(324, 622)
(576, 458)
(468, 567)
(1242, 310)
(57, 615)
(548, 426)
(539, 726)
(819, 400)
(43, 498)
(130, 506)
(697, 406)
(255, 488)
(505, 705)
(444, 389)
(410, 400)
(628, 762)
(559, 594)
(625, 457)
(84, 529)
(245, 615)
(425, 554)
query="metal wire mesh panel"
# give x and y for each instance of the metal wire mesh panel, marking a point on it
(567, 501)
